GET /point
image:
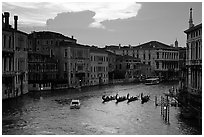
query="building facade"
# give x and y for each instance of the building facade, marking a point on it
(74, 66)
(111, 66)
(14, 59)
(44, 64)
(127, 67)
(98, 66)
(194, 62)
(163, 58)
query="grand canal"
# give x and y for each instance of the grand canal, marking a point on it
(44, 113)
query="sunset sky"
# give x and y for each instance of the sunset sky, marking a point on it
(108, 23)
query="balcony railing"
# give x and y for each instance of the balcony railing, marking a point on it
(7, 50)
(8, 73)
(194, 91)
(195, 62)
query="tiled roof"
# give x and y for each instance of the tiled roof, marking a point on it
(71, 44)
(148, 45)
(49, 35)
(97, 50)
(153, 45)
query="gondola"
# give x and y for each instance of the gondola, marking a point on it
(120, 99)
(108, 98)
(133, 99)
(144, 98)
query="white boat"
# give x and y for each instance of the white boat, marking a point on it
(75, 104)
(152, 81)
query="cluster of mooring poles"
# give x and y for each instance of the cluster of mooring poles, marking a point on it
(165, 108)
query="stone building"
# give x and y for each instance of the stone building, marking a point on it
(127, 67)
(73, 63)
(111, 65)
(98, 66)
(194, 62)
(43, 62)
(14, 59)
(163, 58)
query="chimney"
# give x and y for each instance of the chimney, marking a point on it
(15, 22)
(119, 46)
(72, 37)
(6, 15)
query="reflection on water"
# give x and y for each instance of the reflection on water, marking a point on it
(49, 113)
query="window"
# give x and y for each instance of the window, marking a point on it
(65, 75)
(149, 56)
(65, 66)
(65, 52)
(149, 63)
(4, 41)
(9, 42)
(127, 66)
(144, 56)
(157, 55)
(157, 64)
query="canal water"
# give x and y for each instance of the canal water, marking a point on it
(48, 113)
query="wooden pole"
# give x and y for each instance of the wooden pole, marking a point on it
(161, 105)
(155, 100)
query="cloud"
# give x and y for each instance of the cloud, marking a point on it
(38, 13)
(79, 20)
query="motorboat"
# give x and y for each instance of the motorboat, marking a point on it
(152, 81)
(75, 104)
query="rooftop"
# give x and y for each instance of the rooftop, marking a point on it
(193, 28)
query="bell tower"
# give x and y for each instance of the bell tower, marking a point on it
(191, 19)
(176, 44)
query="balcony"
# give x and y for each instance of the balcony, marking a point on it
(196, 92)
(8, 73)
(8, 50)
(194, 62)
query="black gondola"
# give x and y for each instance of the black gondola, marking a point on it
(144, 98)
(132, 99)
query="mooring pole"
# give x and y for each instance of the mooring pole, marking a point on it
(161, 105)
(155, 100)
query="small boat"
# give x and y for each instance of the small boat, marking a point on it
(152, 81)
(108, 98)
(133, 99)
(75, 104)
(144, 98)
(120, 99)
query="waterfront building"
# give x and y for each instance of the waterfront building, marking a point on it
(127, 67)
(43, 62)
(74, 63)
(98, 66)
(111, 65)
(163, 58)
(194, 63)
(14, 59)
(182, 66)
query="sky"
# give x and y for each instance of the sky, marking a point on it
(108, 23)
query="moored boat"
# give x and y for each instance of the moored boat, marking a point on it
(152, 81)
